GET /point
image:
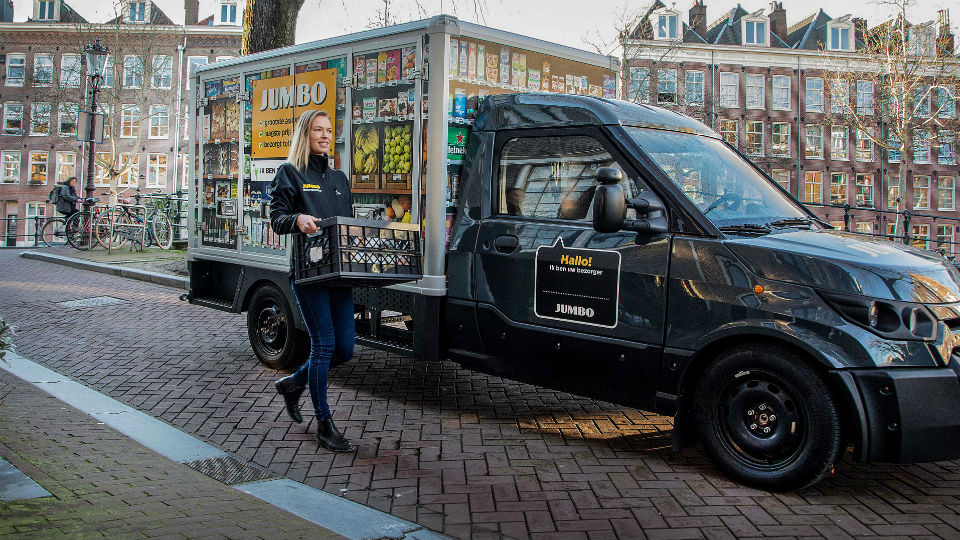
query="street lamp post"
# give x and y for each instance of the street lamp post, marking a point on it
(96, 58)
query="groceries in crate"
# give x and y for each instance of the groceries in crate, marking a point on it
(399, 209)
(396, 149)
(366, 142)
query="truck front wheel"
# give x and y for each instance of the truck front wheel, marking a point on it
(767, 419)
(274, 338)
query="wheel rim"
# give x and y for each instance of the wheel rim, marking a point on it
(271, 329)
(761, 420)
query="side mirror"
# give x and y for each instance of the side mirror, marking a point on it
(609, 202)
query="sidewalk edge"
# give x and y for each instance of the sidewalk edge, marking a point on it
(115, 270)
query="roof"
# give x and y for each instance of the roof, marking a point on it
(726, 30)
(67, 15)
(157, 16)
(522, 111)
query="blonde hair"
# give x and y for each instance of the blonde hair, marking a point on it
(299, 155)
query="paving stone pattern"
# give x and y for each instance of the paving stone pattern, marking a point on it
(104, 485)
(465, 454)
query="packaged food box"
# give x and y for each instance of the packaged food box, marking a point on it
(557, 84)
(463, 58)
(572, 84)
(595, 90)
(371, 71)
(341, 97)
(359, 69)
(460, 103)
(533, 80)
(402, 103)
(515, 69)
(609, 86)
(472, 62)
(369, 108)
(387, 107)
(472, 103)
(545, 77)
(454, 57)
(504, 65)
(409, 61)
(481, 63)
(382, 67)
(522, 71)
(493, 67)
(394, 65)
(357, 111)
(584, 85)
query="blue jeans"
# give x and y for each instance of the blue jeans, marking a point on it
(328, 314)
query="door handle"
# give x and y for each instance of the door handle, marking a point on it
(506, 243)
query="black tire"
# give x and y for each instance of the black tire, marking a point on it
(54, 232)
(275, 340)
(78, 231)
(767, 419)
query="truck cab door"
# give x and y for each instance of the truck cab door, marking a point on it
(558, 303)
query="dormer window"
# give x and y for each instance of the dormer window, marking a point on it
(138, 12)
(228, 13)
(922, 40)
(840, 37)
(666, 25)
(755, 30)
(46, 12)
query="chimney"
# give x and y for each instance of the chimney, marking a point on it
(944, 37)
(778, 20)
(698, 18)
(859, 32)
(191, 8)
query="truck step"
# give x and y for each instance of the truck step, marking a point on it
(215, 303)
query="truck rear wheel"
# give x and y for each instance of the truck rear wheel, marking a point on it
(274, 338)
(767, 419)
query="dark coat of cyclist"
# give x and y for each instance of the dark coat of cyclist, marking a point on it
(67, 203)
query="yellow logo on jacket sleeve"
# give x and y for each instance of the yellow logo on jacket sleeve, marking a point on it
(311, 186)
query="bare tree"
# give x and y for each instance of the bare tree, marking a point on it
(913, 76)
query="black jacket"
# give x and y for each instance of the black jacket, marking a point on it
(68, 200)
(319, 191)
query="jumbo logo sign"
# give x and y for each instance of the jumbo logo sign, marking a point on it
(279, 101)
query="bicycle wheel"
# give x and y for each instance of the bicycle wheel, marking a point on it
(78, 231)
(54, 232)
(111, 221)
(162, 230)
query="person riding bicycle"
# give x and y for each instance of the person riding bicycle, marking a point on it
(67, 203)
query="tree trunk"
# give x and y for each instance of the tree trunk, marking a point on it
(269, 24)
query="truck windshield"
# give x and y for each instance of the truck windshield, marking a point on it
(729, 192)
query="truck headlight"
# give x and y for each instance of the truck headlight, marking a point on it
(890, 319)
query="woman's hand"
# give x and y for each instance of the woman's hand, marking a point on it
(307, 224)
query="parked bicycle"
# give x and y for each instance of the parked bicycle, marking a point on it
(54, 232)
(79, 227)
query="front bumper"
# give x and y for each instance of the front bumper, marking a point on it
(907, 415)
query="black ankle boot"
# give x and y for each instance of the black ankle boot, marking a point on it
(288, 388)
(331, 438)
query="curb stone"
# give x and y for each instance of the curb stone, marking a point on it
(112, 269)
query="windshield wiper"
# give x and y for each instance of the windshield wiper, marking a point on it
(746, 228)
(791, 222)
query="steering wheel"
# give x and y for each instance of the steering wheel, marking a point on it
(731, 199)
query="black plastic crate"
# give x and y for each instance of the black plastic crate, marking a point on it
(358, 252)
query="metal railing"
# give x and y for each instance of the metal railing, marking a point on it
(11, 237)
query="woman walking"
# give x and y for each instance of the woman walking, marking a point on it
(305, 190)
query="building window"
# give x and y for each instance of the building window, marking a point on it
(11, 166)
(66, 165)
(184, 160)
(838, 188)
(157, 171)
(919, 236)
(667, 26)
(921, 100)
(228, 13)
(13, 119)
(945, 189)
(104, 109)
(891, 230)
(839, 97)
(839, 143)
(138, 11)
(129, 167)
(865, 190)
(159, 121)
(865, 98)
(46, 11)
(945, 152)
(68, 115)
(755, 91)
(893, 192)
(945, 239)
(893, 149)
(812, 184)
(102, 178)
(193, 62)
(781, 92)
(667, 86)
(70, 70)
(754, 33)
(729, 86)
(814, 97)
(39, 119)
(921, 192)
(813, 146)
(782, 177)
(129, 121)
(946, 102)
(864, 145)
(781, 139)
(728, 131)
(132, 71)
(108, 69)
(921, 146)
(43, 70)
(639, 84)
(16, 69)
(840, 38)
(864, 227)
(838, 225)
(755, 138)
(38, 167)
(693, 86)
(162, 72)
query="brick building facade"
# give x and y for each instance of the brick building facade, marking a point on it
(767, 88)
(144, 98)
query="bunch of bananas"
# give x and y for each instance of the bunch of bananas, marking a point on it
(365, 144)
(396, 149)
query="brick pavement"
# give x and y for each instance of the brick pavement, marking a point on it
(469, 455)
(105, 485)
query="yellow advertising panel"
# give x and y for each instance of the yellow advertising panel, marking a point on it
(278, 102)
